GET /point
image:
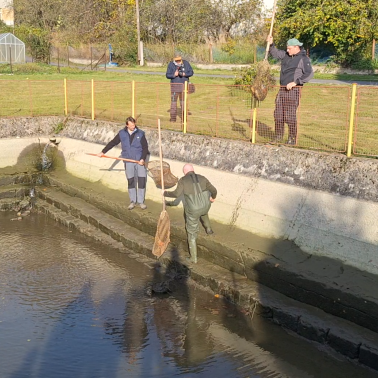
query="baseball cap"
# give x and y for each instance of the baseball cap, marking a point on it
(294, 42)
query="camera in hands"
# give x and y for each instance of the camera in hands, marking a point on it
(181, 70)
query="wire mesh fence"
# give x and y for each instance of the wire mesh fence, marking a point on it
(366, 130)
(31, 98)
(322, 113)
(88, 57)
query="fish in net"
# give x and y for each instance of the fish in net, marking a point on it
(154, 171)
(163, 233)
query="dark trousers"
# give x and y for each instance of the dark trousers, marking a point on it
(287, 103)
(176, 94)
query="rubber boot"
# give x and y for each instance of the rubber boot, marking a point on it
(192, 249)
(206, 224)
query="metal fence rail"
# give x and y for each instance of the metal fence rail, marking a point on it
(333, 118)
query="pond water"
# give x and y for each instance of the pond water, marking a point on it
(71, 307)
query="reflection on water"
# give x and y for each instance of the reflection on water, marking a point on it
(70, 307)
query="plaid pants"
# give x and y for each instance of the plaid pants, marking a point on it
(287, 103)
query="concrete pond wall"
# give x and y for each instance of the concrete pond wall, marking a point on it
(325, 203)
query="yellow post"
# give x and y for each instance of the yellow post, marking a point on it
(254, 119)
(65, 98)
(93, 101)
(351, 119)
(133, 99)
(185, 110)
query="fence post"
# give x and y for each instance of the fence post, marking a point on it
(93, 101)
(351, 119)
(10, 59)
(133, 99)
(185, 110)
(65, 97)
(58, 60)
(254, 119)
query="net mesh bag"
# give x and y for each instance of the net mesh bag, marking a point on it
(163, 233)
(154, 172)
(263, 81)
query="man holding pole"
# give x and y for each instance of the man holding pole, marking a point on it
(134, 147)
(295, 71)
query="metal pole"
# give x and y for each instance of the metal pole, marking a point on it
(10, 59)
(185, 106)
(351, 120)
(65, 97)
(58, 61)
(93, 101)
(133, 99)
(254, 118)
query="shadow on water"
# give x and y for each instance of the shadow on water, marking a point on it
(78, 355)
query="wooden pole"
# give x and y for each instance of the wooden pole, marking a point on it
(271, 29)
(373, 50)
(138, 28)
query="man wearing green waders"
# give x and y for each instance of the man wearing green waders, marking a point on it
(198, 194)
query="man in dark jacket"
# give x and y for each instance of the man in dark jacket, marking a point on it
(135, 147)
(198, 194)
(295, 71)
(178, 71)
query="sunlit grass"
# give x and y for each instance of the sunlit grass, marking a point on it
(217, 107)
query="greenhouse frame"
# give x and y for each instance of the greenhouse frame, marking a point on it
(12, 49)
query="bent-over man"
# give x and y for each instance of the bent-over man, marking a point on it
(198, 194)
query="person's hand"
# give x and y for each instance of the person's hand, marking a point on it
(269, 39)
(141, 162)
(291, 85)
(176, 73)
(100, 154)
(212, 199)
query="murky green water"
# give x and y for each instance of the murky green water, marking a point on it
(70, 307)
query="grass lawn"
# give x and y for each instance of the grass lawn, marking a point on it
(217, 107)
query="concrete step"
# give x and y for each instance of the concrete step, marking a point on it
(15, 192)
(357, 343)
(321, 282)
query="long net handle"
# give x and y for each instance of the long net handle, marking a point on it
(161, 164)
(271, 29)
(113, 157)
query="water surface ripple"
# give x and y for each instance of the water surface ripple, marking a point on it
(71, 307)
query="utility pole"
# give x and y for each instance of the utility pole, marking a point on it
(138, 30)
